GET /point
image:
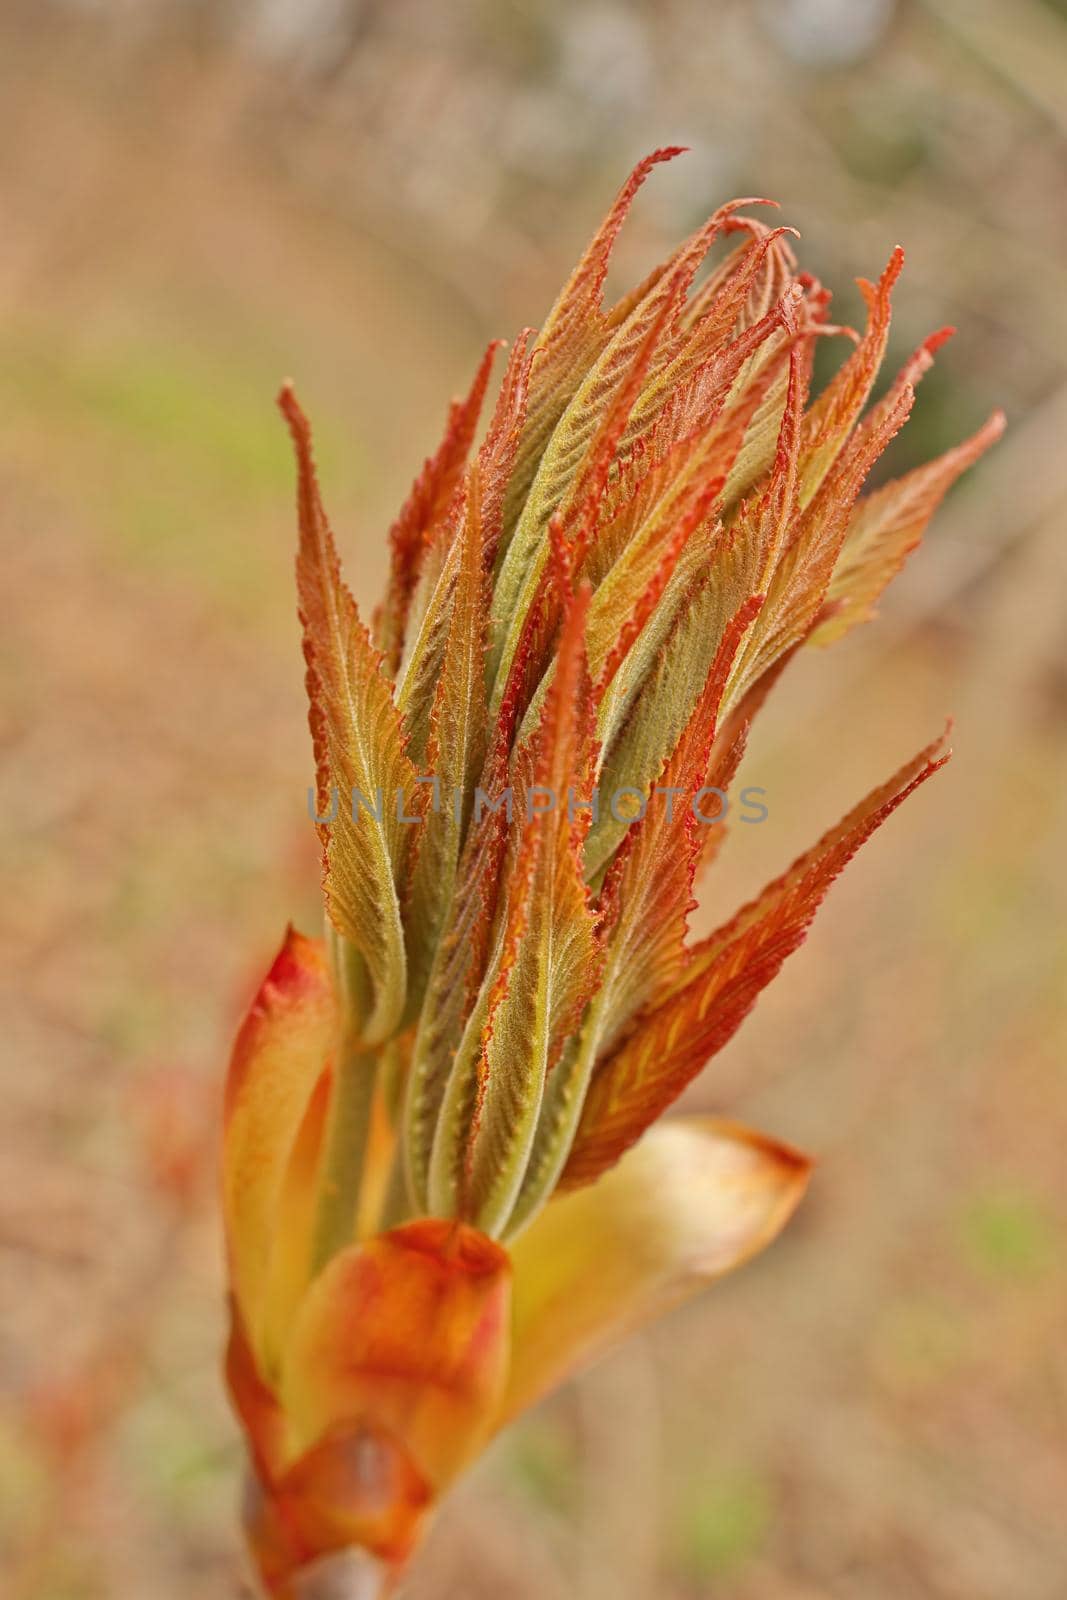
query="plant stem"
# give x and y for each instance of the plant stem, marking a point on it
(396, 1203)
(351, 1105)
(349, 1575)
(346, 1146)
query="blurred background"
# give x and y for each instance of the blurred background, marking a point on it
(201, 198)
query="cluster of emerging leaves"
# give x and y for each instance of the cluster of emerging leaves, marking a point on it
(598, 598)
(592, 604)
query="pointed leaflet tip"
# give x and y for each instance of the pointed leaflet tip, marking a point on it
(940, 336)
(288, 404)
(887, 525)
(921, 360)
(666, 152)
(890, 273)
(594, 264)
(430, 505)
(753, 200)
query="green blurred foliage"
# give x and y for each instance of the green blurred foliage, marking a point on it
(1008, 1235)
(723, 1525)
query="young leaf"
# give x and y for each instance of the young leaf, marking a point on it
(670, 1044)
(546, 962)
(359, 753)
(642, 916)
(455, 750)
(428, 623)
(572, 472)
(833, 414)
(574, 333)
(800, 566)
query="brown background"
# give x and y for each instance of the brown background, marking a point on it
(200, 199)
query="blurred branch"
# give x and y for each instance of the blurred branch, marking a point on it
(1023, 44)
